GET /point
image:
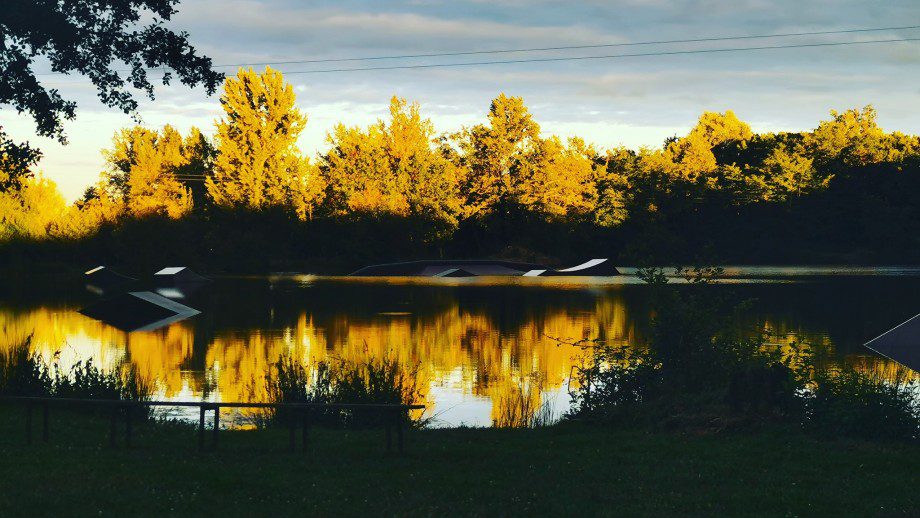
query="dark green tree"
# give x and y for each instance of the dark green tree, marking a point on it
(87, 37)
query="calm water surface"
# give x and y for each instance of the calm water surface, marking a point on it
(479, 343)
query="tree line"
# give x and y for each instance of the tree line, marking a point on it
(721, 189)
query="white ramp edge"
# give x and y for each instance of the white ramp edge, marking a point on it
(170, 270)
(163, 302)
(583, 266)
(181, 311)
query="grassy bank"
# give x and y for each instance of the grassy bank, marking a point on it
(567, 469)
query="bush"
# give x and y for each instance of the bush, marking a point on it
(86, 381)
(613, 382)
(695, 373)
(843, 402)
(522, 406)
(373, 382)
(23, 373)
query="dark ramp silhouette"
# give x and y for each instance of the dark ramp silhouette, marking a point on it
(901, 343)
(101, 279)
(455, 272)
(138, 311)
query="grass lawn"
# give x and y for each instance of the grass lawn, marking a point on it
(559, 470)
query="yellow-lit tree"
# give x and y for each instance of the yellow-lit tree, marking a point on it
(611, 181)
(357, 173)
(790, 174)
(393, 167)
(510, 167)
(258, 164)
(691, 158)
(99, 205)
(31, 210)
(854, 138)
(558, 179)
(142, 169)
(494, 155)
(199, 153)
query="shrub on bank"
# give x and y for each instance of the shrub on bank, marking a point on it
(383, 381)
(843, 402)
(695, 374)
(24, 373)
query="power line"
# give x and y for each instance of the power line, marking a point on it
(582, 58)
(573, 47)
(544, 49)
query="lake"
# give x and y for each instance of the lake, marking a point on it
(478, 343)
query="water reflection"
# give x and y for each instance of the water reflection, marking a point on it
(479, 347)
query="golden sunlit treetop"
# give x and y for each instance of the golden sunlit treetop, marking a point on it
(392, 167)
(258, 164)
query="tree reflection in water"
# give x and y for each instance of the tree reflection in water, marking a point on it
(492, 343)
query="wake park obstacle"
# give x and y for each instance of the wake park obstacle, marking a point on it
(485, 268)
(178, 275)
(900, 343)
(138, 311)
(101, 279)
(592, 268)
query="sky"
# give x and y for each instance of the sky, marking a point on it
(637, 101)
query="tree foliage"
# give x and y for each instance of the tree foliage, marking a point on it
(510, 167)
(16, 162)
(494, 155)
(142, 170)
(720, 192)
(258, 164)
(394, 167)
(31, 211)
(88, 37)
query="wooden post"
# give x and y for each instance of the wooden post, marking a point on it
(388, 425)
(303, 432)
(201, 428)
(399, 429)
(45, 426)
(113, 426)
(29, 423)
(216, 425)
(128, 426)
(588, 392)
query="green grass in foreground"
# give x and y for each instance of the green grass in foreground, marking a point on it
(559, 470)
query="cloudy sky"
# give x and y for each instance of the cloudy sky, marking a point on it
(626, 101)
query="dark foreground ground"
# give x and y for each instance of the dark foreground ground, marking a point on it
(559, 470)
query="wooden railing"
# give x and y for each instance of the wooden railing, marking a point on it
(395, 416)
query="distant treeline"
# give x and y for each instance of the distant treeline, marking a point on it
(248, 200)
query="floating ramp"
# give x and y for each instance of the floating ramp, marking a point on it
(100, 279)
(592, 268)
(901, 343)
(455, 272)
(138, 311)
(438, 268)
(485, 267)
(178, 275)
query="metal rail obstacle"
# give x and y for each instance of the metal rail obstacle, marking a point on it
(395, 416)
